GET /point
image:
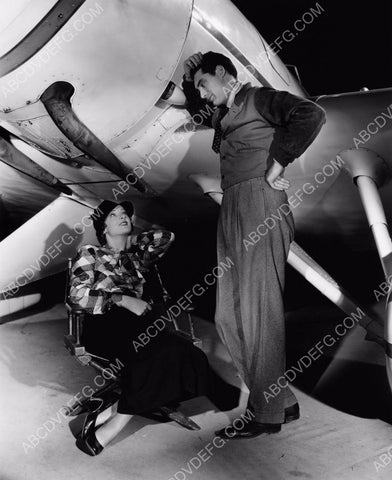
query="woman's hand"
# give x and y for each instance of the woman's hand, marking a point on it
(135, 305)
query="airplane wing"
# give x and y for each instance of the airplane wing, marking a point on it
(89, 115)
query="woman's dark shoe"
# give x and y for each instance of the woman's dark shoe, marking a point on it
(94, 404)
(99, 404)
(86, 441)
(291, 413)
(89, 424)
(180, 418)
(250, 430)
(89, 444)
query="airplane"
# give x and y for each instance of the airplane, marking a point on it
(91, 108)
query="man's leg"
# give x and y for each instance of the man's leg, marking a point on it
(269, 390)
(250, 314)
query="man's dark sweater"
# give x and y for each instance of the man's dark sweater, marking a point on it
(262, 125)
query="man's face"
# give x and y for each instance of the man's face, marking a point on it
(118, 222)
(211, 87)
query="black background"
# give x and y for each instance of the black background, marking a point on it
(347, 47)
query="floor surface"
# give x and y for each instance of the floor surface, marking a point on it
(344, 431)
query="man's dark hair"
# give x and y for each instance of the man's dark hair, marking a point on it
(211, 60)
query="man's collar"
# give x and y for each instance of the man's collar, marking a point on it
(234, 94)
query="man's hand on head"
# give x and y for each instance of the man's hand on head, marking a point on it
(274, 177)
(190, 63)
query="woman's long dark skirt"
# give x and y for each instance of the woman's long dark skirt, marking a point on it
(167, 369)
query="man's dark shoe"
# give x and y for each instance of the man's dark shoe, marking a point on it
(250, 430)
(291, 413)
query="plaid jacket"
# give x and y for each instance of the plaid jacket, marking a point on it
(97, 272)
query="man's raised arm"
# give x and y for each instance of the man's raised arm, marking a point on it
(194, 103)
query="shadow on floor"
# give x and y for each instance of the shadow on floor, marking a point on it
(352, 382)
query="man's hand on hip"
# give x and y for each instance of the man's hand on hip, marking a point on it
(274, 177)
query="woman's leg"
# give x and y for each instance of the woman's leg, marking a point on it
(105, 415)
(112, 426)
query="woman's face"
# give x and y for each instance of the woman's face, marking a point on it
(118, 222)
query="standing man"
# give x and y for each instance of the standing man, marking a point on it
(258, 131)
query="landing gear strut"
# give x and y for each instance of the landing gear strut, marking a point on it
(370, 172)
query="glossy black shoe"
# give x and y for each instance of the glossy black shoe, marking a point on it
(95, 404)
(291, 413)
(250, 430)
(99, 404)
(86, 441)
(88, 424)
(89, 443)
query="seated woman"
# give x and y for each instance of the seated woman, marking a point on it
(108, 282)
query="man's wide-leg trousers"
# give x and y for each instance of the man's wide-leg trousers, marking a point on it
(255, 230)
